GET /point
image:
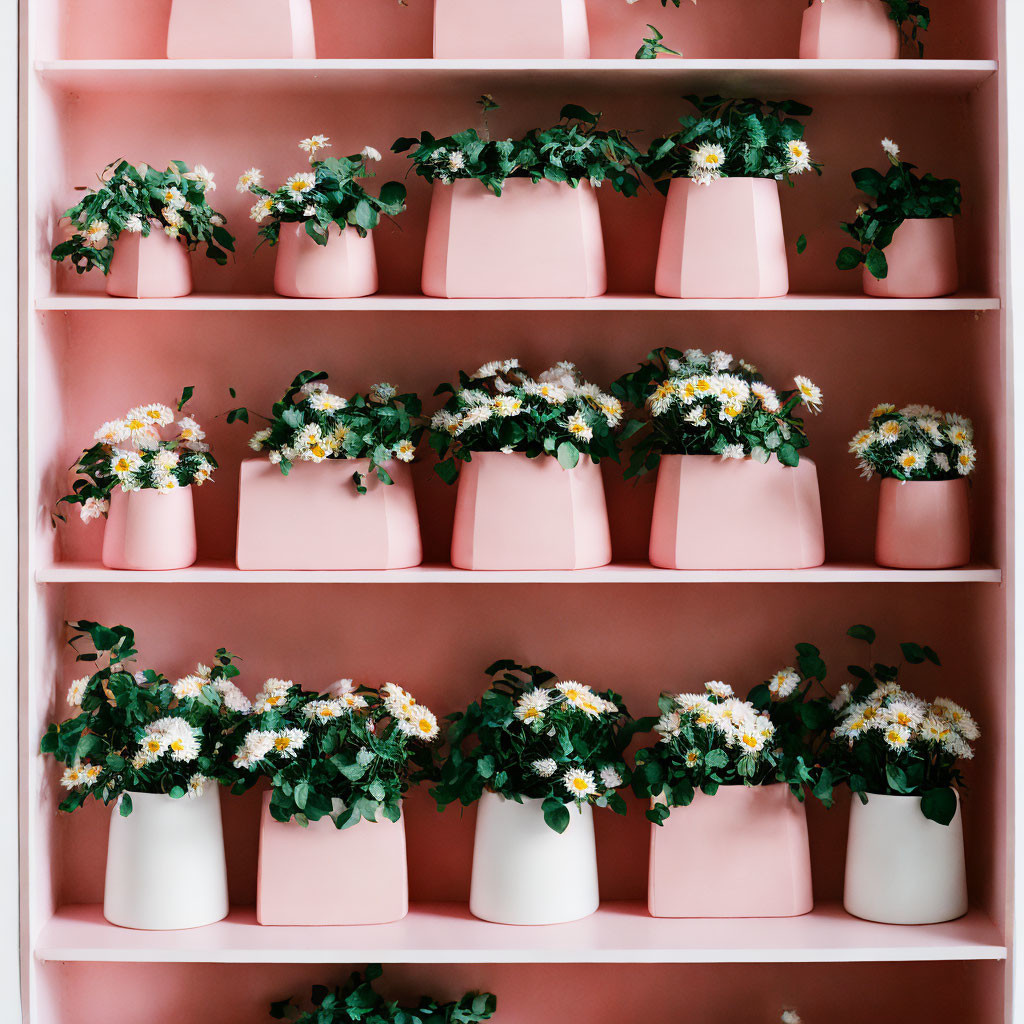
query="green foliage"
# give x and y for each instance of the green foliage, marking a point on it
(911, 17)
(652, 45)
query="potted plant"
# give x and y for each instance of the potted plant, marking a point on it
(905, 235)
(537, 753)
(861, 29)
(330, 460)
(924, 458)
(339, 764)
(511, 28)
(518, 218)
(156, 218)
(321, 221)
(712, 426)
(212, 28)
(155, 750)
(721, 236)
(526, 453)
(142, 483)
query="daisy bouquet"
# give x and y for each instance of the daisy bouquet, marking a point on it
(347, 754)
(140, 200)
(134, 452)
(910, 17)
(137, 732)
(894, 197)
(502, 409)
(328, 193)
(699, 404)
(917, 442)
(311, 424)
(532, 736)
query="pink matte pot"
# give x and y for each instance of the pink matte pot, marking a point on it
(344, 268)
(224, 28)
(153, 266)
(845, 29)
(921, 259)
(150, 530)
(923, 524)
(511, 28)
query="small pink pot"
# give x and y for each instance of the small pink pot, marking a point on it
(722, 240)
(149, 530)
(538, 240)
(714, 513)
(225, 28)
(511, 28)
(513, 512)
(923, 524)
(922, 261)
(298, 880)
(860, 29)
(154, 266)
(314, 518)
(344, 268)
(745, 833)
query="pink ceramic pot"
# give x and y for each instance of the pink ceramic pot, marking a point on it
(344, 268)
(714, 513)
(152, 267)
(534, 240)
(225, 28)
(314, 518)
(923, 524)
(149, 530)
(849, 29)
(298, 878)
(922, 261)
(512, 512)
(722, 240)
(740, 834)
(511, 28)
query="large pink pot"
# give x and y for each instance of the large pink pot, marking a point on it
(344, 268)
(321, 875)
(722, 240)
(714, 513)
(922, 261)
(511, 28)
(150, 530)
(314, 518)
(923, 524)
(513, 512)
(533, 241)
(226, 28)
(860, 29)
(154, 266)
(754, 841)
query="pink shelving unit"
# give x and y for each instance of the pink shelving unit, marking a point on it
(95, 86)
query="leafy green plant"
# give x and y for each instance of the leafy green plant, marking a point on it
(652, 45)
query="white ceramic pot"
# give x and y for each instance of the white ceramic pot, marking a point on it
(527, 873)
(901, 867)
(165, 863)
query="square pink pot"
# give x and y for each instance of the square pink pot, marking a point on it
(149, 530)
(860, 29)
(754, 841)
(512, 512)
(152, 267)
(344, 268)
(226, 28)
(314, 518)
(922, 261)
(722, 240)
(538, 240)
(322, 875)
(715, 513)
(923, 524)
(511, 28)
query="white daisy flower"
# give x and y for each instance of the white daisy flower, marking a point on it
(405, 450)
(889, 432)
(196, 786)
(420, 722)
(891, 148)
(77, 691)
(288, 742)
(578, 427)
(733, 451)
(313, 143)
(783, 683)
(188, 687)
(610, 778)
(531, 706)
(204, 177)
(579, 783)
(506, 405)
(545, 767)
(324, 401)
(93, 508)
(370, 153)
(810, 394)
(299, 184)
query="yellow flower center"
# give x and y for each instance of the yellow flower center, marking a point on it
(282, 743)
(579, 784)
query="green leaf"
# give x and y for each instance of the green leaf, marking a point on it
(865, 633)
(186, 394)
(568, 455)
(939, 805)
(556, 814)
(849, 258)
(877, 264)
(801, 245)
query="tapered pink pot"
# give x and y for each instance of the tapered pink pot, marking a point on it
(321, 875)
(314, 518)
(850, 29)
(715, 513)
(742, 832)
(722, 240)
(511, 28)
(154, 266)
(923, 524)
(344, 268)
(226, 28)
(922, 261)
(533, 241)
(518, 513)
(149, 530)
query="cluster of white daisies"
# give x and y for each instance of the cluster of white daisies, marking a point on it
(708, 159)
